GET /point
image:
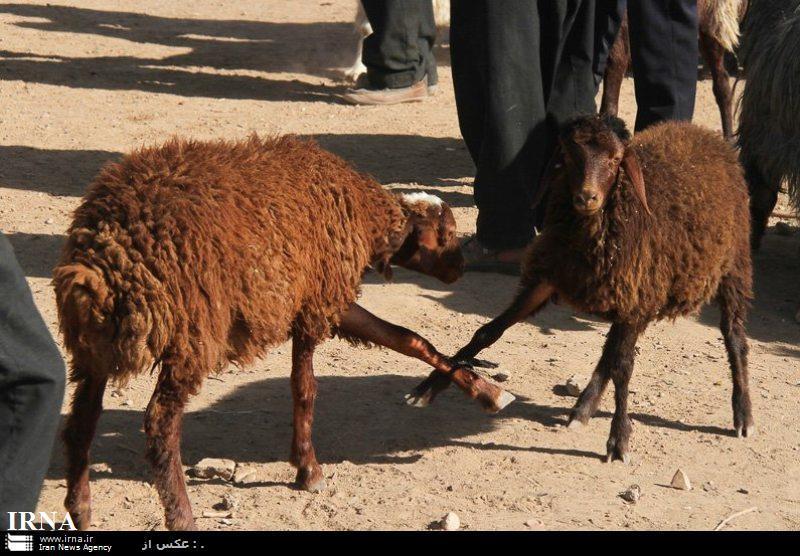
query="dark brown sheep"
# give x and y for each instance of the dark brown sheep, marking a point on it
(193, 255)
(630, 257)
(718, 22)
(769, 122)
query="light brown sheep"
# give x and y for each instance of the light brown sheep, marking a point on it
(192, 255)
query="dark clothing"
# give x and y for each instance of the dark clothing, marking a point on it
(664, 54)
(399, 52)
(519, 68)
(31, 391)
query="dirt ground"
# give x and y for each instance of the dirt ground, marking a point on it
(84, 81)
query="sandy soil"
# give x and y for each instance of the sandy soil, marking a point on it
(82, 82)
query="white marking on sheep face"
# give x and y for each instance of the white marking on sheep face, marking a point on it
(422, 197)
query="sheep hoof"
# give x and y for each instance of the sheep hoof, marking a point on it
(614, 455)
(181, 523)
(746, 431)
(310, 479)
(82, 519)
(479, 363)
(317, 486)
(418, 400)
(616, 451)
(501, 400)
(575, 424)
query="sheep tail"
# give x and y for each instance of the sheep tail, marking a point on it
(723, 21)
(84, 302)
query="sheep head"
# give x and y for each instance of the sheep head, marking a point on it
(431, 246)
(588, 157)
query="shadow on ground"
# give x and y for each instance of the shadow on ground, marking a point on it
(37, 254)
(359, 419)
(54, 171)
(405, 158)
(230, 46)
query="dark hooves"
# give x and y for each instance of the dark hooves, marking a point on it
(479, 363)
(617, 450)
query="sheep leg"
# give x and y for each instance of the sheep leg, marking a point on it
(362, 29)
(618, 61)
(162, 425)
(79, 430)
(763, 197)
(714, 55)
(587, 403)
(733, 304)
(360, 323)
(304, 392)
(526, 303)
(621, 353)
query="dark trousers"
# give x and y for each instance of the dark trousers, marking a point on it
(31, 391)
(664, 54)
(519, 68)
(399, 52)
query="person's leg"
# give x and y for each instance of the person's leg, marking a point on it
(468, 62)
(510, 85)
(31, 391)
(568, 68)
(664, 52)
(399, 52)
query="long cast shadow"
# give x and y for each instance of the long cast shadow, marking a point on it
(317, 49)
(403, 158)
(359, 419)
(37, 254)
(53, 171)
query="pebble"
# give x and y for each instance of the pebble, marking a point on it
(100, 468)
(631, 494)
(228, 502)
(209, 513)
(210, 468)
(500, 377)
(127, 403)
(244, 476)
(534, 524)
(450, 522)
(574, 386)
(681, 480)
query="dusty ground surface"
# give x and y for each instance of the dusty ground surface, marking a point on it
(81, 82)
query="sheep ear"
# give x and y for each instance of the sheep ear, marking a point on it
(555, 163)
(393, 243)
(630, 163)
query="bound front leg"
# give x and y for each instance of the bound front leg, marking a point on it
(528, 301)
(361, 324)
(304, 392)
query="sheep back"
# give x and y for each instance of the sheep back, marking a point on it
(210, 252)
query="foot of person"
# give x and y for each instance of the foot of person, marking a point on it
(365, 94)
(479, 258)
